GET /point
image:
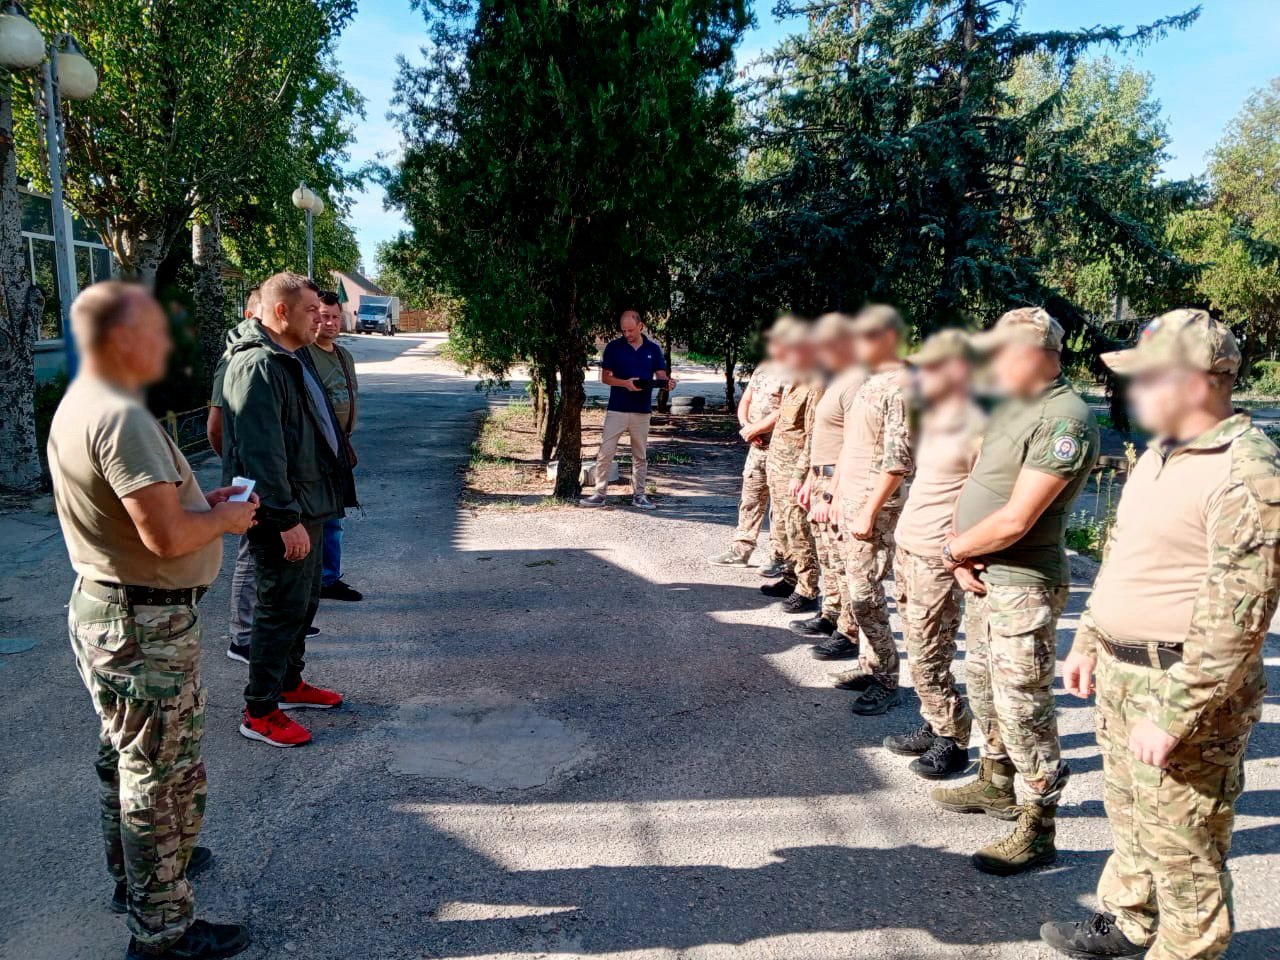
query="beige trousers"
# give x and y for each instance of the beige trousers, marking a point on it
(616, 423)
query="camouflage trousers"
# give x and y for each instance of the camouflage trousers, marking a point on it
(930, 604)
(791, 533)
(754, 504)
(1009, 663)
(1166, 879)
(835, 588)
(866, 564)
(141, 666)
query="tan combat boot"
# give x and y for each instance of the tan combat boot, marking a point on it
(1029, 846)
(992, 793)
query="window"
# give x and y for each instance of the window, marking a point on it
(44, 273)
(92, 259)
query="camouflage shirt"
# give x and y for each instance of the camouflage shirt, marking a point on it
(789, 448)
(876, 437)
(766, 385)
(1231, 520)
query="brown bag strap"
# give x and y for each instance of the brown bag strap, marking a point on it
(351, 390)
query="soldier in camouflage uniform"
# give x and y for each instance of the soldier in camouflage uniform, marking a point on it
(835, 352)
(757, 416)
(145, 543)
(930, 600)
(1174, 629)
(875, 465)
(1039, 448)
(789, 466)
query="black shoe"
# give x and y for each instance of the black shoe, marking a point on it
(856, 680)
(201, 858)
(340, 591)
(818, 626)
(838, 646)
(202, 941)
(799, 604)
(313, 631)
(914, 743)
(238, 651)
(1096, 937)
(875, 700)
(781, 590)
(944, 758)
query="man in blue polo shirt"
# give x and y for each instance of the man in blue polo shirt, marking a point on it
(629, 365)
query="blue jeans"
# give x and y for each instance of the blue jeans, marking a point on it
(331, 558)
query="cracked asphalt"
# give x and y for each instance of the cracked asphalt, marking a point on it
(618, 751)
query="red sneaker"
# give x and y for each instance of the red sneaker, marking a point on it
(275, 728)
(305, 696)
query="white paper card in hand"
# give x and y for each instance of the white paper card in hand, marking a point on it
(244, 494)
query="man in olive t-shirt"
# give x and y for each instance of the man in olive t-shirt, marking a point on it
(145, 542)
(1040, 446)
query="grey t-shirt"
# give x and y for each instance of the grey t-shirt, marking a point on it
(321, 400)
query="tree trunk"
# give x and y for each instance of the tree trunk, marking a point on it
(19, 456)
(210, 295)
(572, 358)
(551, 421)
(730, 386)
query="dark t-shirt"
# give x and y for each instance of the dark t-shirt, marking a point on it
(625, 362)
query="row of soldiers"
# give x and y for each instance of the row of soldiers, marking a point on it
(869, 462)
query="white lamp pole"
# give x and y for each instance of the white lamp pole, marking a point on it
(66, 72)
(307, 201)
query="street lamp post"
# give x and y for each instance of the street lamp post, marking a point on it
(66, 72)
(312, 205)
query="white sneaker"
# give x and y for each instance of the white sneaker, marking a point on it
(595, 500)
(640, 501)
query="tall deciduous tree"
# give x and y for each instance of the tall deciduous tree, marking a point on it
(559, 153)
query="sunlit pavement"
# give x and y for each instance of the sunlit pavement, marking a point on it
(566, 735)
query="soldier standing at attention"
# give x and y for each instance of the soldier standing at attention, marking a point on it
(1174, 629)
(929, 598)
(789, 465)
(834, 347)
(757, 415)
(1009, 554)
(145, 543)
(875, 460)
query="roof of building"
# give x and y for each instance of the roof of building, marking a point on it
(363, 283)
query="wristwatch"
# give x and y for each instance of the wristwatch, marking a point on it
(946, 554)
(827, 498)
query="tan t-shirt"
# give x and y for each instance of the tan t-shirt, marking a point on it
(828, 424)
(1158, 556)
(876, 436)
(104, 445)
(945, 453)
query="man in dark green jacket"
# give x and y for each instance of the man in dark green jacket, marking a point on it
(279, 430)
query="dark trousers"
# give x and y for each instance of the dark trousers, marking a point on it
(288, 597)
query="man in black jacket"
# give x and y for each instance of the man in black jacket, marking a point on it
(279, 430)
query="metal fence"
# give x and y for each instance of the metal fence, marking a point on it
(188, 429)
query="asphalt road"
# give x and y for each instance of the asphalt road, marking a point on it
(565, 735)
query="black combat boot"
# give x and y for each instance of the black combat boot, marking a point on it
(201, 857)
(838, 646)
(202, 941)
(779, 589)
(797, 603)
(856, 680)
(875, 700)
(1086, 939)
(944, 757)
(913, 743)
(818, 626)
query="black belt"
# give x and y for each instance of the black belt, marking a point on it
(132, 596)
(1160, 656)
(826, 471)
